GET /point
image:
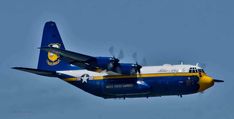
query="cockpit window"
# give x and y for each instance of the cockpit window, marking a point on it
(201, 70)
(195, 70)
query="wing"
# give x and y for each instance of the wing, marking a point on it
(37, 71)
(97, 64)
(80, 60)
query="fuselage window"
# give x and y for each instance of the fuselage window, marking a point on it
(190, 71)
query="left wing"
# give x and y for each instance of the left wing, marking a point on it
(37, 71)
(96, 64)
(80, 60)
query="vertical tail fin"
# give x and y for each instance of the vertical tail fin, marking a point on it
(47, 60)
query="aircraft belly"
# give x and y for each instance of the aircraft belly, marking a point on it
(119, 87)
(94, 87)
(156, 86)
(149, 86)
(174, 85)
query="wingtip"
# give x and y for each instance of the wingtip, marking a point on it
(15, 67)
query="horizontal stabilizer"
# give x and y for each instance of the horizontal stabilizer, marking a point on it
(37, 71)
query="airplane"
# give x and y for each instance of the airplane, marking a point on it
(107, 77)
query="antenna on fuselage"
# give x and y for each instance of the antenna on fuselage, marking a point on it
(181, 63)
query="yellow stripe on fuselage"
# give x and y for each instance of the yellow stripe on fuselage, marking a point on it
(143, 75)
(70, 79)
(136, 76)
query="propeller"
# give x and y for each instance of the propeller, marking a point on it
(136, 66)
(144, 62)
(112, 52)
(114, 61)
(134, 56)
(121, 54)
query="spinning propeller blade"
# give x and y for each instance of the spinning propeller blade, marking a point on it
(121, 54)
(111, 51)
(137, 67)
(144, 62)
(114, 61)
(113, 54)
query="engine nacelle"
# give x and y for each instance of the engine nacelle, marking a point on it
(108, 63)
(112, 64)
(126, 68)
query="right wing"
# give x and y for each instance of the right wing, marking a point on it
(37, 71)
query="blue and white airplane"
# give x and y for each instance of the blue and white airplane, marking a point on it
(107, 77)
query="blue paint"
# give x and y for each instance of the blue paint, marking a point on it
(128, 88)
(51, 36)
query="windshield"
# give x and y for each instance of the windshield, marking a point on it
(195, 70)
(201, 70)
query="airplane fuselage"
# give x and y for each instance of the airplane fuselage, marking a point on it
(158, 82)
(128, 87)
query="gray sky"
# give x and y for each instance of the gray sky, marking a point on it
(162, 31)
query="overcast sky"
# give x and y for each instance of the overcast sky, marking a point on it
(162, 31)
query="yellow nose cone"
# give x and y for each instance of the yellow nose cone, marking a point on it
(205, 82)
